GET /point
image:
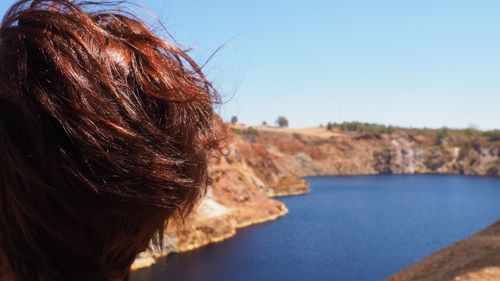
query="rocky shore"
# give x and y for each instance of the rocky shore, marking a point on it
(263, 163)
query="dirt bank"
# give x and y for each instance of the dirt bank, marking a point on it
(476, 258)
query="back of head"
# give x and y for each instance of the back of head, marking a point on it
(105, 130)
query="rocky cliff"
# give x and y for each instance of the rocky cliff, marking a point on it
(261, 163)
(403, 152)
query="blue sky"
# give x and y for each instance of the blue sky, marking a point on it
(413, 63)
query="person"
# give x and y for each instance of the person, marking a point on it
(105, 133)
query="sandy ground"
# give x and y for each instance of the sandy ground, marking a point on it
(313, 131)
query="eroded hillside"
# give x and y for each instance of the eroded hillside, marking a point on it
(262, 163)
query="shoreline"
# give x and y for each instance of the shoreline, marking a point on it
(262, 164)
(145, 262)
(475, 258)
(299, 190)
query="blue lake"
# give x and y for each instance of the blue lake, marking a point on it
(348, 228)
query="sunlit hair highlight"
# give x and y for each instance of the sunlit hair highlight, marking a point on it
(105, 130)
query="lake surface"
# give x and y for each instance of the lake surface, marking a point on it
(348, 228)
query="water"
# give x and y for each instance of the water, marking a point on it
(347, 228)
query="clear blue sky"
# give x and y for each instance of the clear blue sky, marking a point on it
(414, 63)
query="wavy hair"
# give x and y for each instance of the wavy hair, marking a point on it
(105, 130)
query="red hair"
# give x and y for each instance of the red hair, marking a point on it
(105, 130)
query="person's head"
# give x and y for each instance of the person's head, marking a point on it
(105, 130)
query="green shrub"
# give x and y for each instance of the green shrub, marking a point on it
(472, 161)
(441, 135)
(329, 126)
(251, 131)
(493, 135)
(282, 122)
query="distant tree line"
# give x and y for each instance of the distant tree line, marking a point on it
(356, 126)
(441, 133)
